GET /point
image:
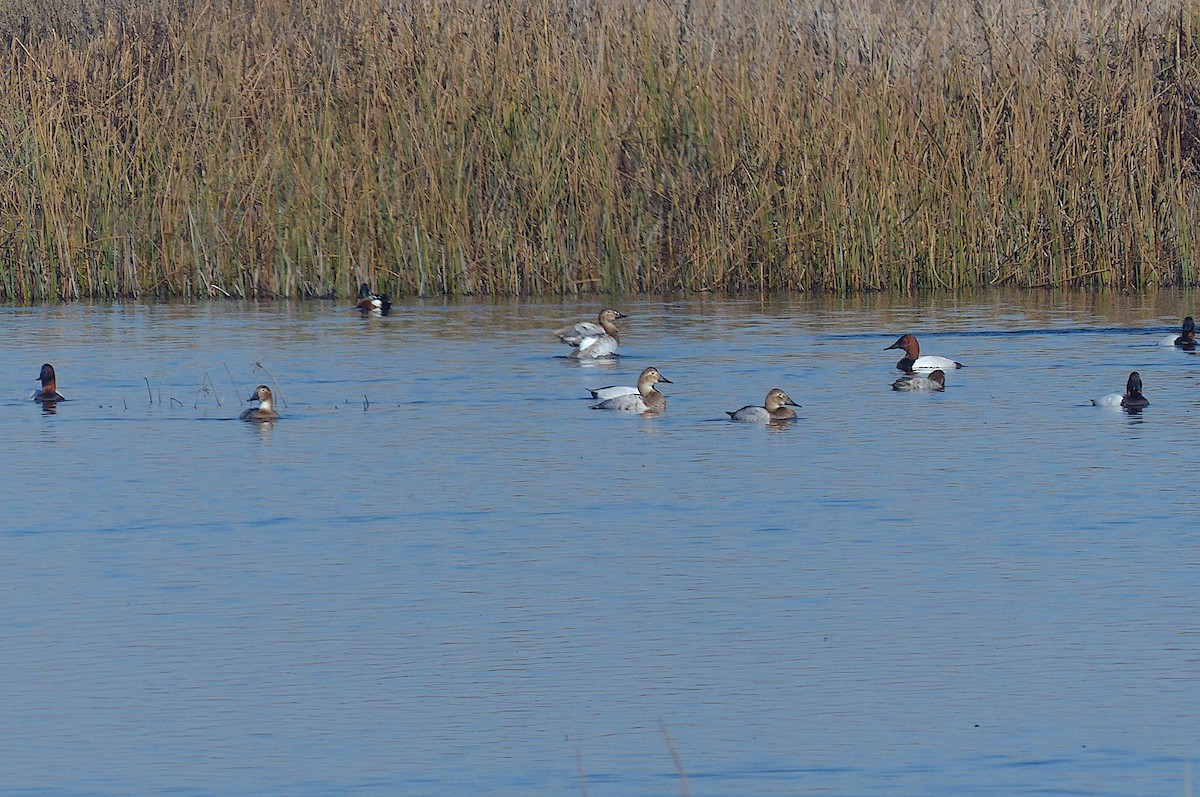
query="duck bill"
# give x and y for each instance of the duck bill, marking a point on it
(664, 379)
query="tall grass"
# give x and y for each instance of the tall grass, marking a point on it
(190, 148)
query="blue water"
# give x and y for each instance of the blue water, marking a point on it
(441, 573)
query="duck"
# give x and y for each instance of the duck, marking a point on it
(49, 391)
(1131, 399)
(373, 303)
(1187, 336)
(646, 401)
(264, 412)
(935, 381)
(777, 406)
(593, 340)
(913, 361)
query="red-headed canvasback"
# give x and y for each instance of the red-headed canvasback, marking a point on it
(593, 340)
(373, 303)
(646, 401)
(935, 381)
(264, 412)
(913, 361)
(49, 391)
(1131, 399)
(776, 407)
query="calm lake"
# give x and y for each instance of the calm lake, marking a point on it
(441, 573)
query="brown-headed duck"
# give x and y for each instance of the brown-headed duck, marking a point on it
(265, 411)
(593, 340)
(777, 406)
(646, 401)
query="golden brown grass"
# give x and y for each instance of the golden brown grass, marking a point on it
(190, 148)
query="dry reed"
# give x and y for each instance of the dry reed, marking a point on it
(294, 148)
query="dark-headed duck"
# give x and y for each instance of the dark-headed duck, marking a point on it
(1187, 337)
(1131, 399)
(373, 303)
(49, 391)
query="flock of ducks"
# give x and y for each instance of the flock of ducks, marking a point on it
(593, 341)
(921, 373)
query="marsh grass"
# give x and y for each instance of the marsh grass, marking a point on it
(295, 148)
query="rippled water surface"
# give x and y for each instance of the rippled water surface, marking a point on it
(441, 573)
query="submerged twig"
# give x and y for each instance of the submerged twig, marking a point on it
(683, 781)
(236, 389)
(579, 769)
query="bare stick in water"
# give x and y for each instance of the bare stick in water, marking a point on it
(209, 389)
(237, 390)
(579, 768)
(683, 781)
(148, 393)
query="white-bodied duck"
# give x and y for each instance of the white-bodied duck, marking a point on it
(592, 340)
(913, 361)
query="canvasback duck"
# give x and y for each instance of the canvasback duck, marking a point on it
(49, 391)
(935, 381)
(373, 303)
(1131, 399)
(593, 340)
(1187, 337)
(777, 406)
(264, 412)
(913, 361)
(646, 401)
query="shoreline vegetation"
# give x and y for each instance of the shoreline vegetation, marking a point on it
(295, 148)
